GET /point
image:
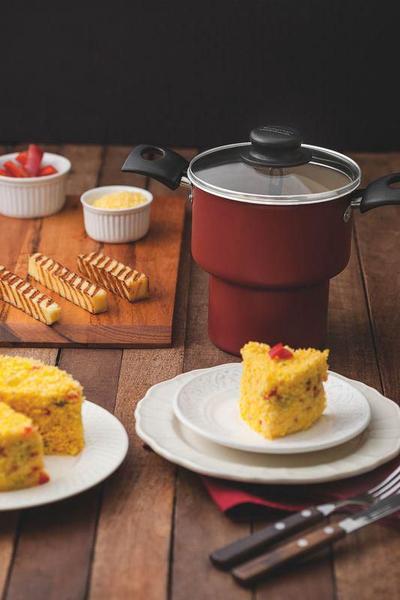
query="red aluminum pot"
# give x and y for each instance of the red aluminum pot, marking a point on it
(271, 225)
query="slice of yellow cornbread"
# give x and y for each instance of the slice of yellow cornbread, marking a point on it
(49, 396)
(21, 451)
(282, 396)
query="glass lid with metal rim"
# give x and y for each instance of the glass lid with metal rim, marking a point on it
(274, 168)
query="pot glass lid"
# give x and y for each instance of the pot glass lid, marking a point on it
(274, 168)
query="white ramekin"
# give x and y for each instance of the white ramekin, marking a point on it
(116, 226)
(33, 197)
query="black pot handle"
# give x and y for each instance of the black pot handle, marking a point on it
(379, 193)
(162, 164)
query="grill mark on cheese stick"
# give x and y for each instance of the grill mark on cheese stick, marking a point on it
(68, 284)
(61, 287)
(19, 293)
(113, 275)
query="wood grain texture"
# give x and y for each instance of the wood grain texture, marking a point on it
(375, 573)
(263, 565)
(137, 513)
(62, 535)
(149, 532)
(199, 526)
(8, 528)
(54, 550)
(62, 236)
(315, 577)
(9, 521)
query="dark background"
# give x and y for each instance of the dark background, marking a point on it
(201, 73)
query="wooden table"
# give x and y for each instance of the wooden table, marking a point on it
(146, 533)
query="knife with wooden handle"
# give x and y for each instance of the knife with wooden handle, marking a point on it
(254, 570)
(247, 547)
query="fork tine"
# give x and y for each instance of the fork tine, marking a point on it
(385, 481)
(392, 488)
(383, 509)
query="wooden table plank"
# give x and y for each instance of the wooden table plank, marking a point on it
(55, 544)
(9, 521)
(153, 541)
(62, 535)
(352, 354)
(375, 574)
(136, 516)
(199, 526)
(192, 574)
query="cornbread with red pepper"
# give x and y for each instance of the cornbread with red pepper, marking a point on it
(282, 389)
(48, 396)
(21, 451)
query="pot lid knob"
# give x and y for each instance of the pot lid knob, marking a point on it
(275, 146)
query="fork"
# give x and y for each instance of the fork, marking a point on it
(304, 544)
(247, 547)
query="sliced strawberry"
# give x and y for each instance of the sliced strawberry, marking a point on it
(14, 170)
(22, 157)
(280, 352)
(33, 160)
(48, 170)
(3, 172)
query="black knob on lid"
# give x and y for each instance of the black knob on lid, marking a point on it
(275, 146)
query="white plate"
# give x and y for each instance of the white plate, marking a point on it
(157, 425)
(106, 444)
(209, 405)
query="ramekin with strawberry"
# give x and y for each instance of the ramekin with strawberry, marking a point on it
(32, 183)
(28, 163)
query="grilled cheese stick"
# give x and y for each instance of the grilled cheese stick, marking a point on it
(20, 293)
(69, 285)
(114, 276)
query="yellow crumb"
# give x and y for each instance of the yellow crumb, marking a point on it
(120, 200)
(47, 395)
(282, 396)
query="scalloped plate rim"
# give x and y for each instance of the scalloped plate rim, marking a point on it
(83, 472)
(195, 466)
(276, 446)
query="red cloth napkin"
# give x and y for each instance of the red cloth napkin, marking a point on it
(250, 501)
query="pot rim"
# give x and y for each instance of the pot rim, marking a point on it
(289, 200)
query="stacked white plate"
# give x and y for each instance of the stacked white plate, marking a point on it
(193, 420)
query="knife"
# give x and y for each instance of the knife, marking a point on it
(254, 570)
(244, 549)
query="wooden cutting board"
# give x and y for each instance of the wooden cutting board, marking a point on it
(145, 324)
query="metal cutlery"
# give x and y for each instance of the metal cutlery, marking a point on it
(249, 546)
(254, 570)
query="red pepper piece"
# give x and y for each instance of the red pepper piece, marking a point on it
(14, 170)
(47, 170)
(33, 160)
(280, 352)
(22, 157)
(28, 430)
(43, 478)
